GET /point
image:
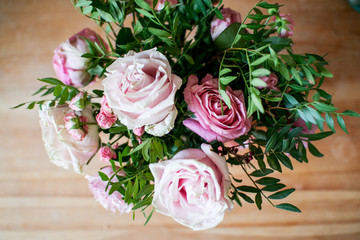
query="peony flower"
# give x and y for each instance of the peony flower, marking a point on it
(74, 127)
(105, 118)
(111, 202)
(219, 25)
(106, 153)
(214, 120)
(192, 187)
(287, 26)
(271, 82)
(78, 102)
(140, 89)
(62, 149)
(69, 66)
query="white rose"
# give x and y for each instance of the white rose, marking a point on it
(61, 147)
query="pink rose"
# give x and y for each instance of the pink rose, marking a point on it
(219, 25)
(192, 187)
(287, 26)
(140, 89)
(271, 82)
(215, 121)
(106, 153)
(69, 66)
(62, 149)
(105, 118)
(78, 102)
(73, 123)
(111, 202)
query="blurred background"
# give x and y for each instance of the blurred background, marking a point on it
(41, 201)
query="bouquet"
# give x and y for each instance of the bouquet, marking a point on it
(189, 88)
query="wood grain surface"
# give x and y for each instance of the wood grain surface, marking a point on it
(41, 201)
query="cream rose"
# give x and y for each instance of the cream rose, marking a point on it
(140, 90)
(62, 148)
(192, 187)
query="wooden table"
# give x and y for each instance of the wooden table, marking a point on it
(41, 201)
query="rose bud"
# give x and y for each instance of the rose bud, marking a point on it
(219, 25)
(78, 102)
(69, 66)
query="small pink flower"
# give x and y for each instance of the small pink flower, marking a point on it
(161, 4)
(105, 118)
(214, 120)
(139, 131)
(78, 102)
(106, 153)
(73, 125)
(219, 25)
(69, 66)
(287, 26)
(111, 202)
(271, 82)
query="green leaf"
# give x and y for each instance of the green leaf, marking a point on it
(189, 59)
(82, 3)
(285, 160)
(159, 33)
(260, 72)
(245, 197)
(296, 75)
(138, 27)
(330, 122)
(149, 217)
(225, 97)
(267, 181)
(308, 74)
(147, 189)
(260, 60)
(262, 165)
(230, 36)
(318, 136)
(323, 71)
(57, 90)
(145, 202)
(350, 113)
(273, 188)
(224, 71)
(17, 106)
(248, 189)
(31, 105)
(218, 14)
(103, 176)
(273, 163)
(257, 82)
(143, 5)
(314, 151)
(288, 207)
(227, 80)
(140, 146)
(322, 107)
(281, 194)
(273, 56)
(52, 81)
(258, 200)
(145, 13)
(258, 17)
(291, 99)
(268, 5)
(259, 173)
(341, 123)
(257, 101)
